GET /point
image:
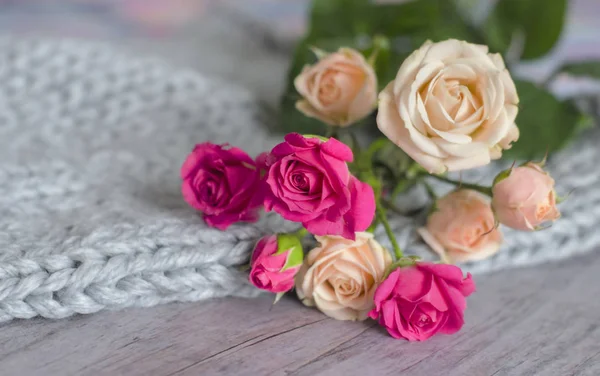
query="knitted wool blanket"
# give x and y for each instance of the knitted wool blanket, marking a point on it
(91, 214)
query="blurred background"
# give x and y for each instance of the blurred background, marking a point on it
(246, 41)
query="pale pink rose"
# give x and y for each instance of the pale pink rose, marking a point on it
(462, 228)
(340, 276)
(524, 198)
(451, 107)
(340, 89)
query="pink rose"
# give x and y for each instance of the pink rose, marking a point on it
(416, 302)
(309, 181)
(524, 198)
(462, 228)
(275, 261)
(222, 182)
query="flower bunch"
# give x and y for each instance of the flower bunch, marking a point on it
(451, 107)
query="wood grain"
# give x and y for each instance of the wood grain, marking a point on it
(540, 321)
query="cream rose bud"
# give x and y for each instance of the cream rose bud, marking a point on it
(451, 107)
(462, 228)
(340, 276)
(340, 89)
(524, 197)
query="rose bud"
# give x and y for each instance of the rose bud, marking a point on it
(524, 198)
(462, 228)
(416, 302)
(340, 276)
(340, 89)
(451, 107)
(222, 182)
(308, 181)
(275, 261)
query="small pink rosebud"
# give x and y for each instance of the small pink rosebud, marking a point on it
(524, 197)
(275, 261)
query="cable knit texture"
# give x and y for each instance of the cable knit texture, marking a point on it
(91, 214)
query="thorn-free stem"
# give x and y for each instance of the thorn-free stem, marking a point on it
(460, 184)
(382, 217)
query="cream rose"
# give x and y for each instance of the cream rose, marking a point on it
(462, 228)
(340, 89)
(451, 107)
(340, 276)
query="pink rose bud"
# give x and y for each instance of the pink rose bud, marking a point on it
(462, 228)
(222, 182)
(524, 198)
(340, 89)
(308, 181)
(275, 261)
(419, 301)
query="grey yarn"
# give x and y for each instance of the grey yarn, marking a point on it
(91, 215)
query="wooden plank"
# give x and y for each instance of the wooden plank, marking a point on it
(536, 321)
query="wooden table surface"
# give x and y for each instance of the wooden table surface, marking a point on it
(536, 321)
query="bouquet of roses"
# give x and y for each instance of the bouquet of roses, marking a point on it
(451, 107)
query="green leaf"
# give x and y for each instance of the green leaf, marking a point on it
(583, 69)
(546, 124)
(539, 21)
(450, 24)
(334, 18)
(290, 243)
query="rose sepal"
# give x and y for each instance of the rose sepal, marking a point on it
(403, 262)
(290, 243)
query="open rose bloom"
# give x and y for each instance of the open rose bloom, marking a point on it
(309, 181)
(451, 107)
(340, 89)
(462, 227)
(419, 301)
(223, 183)
(340, 276)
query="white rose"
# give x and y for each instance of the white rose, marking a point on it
(340, 276)
(451, 107)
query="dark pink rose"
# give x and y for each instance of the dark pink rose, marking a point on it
(419, 301)
(223, 183)
(275, 261)
(309, 182)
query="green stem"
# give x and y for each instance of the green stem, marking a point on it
(380, 43)
(460, 184)
(402, 187)
(381, 216)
